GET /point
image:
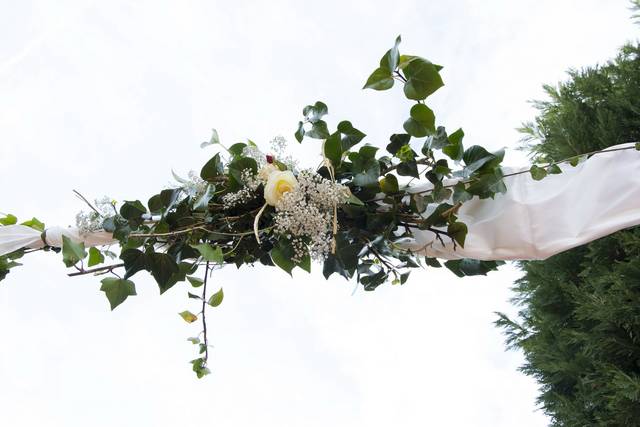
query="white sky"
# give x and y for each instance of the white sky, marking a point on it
(108, 97)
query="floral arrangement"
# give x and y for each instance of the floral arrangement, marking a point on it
(245, 207)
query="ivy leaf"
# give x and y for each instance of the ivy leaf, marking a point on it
(471, 267)
(237, 149)
(281, 259)
(300, 132)
(193, 296)
(397, 142)
(333, 149)
(422, 121)
(318, 130)
(216, 299)
(72, 252)
(8, 220)
(188, 316)
(460, 193)
(35, 224)
(391, 59)
(95, 257)
(132, 211)
(537, 173)
(196, 282)
(210, 253)
(554, 169)
(454, 149)
(202, 202)
(423, 79)
(194, 340)
(350, 135)
(215, 139)
(458, 231)
(315, 112)
(380, 79)
(134, 261)
(199, 367)
(389, 184)
(162, 267)
(117, 290)
(212, 168)
(432, 262)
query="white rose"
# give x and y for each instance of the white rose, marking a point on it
(278, 184)
(267, 170)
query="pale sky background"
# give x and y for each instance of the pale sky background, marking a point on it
(108, 97)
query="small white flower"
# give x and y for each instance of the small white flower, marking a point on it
(277, 185)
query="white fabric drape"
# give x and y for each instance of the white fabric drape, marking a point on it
(532, 220)
(538, 219)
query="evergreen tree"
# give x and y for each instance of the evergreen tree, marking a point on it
(579, 323)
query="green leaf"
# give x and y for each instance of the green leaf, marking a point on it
(194, 340)
(389, 184)
(237, 149)
(350, 135)
(333, 149)
(162, 267)
(216, 299)
(199, 367)
(215, 139)
(134, 261)
(95, 257)
(117, 290)
(423, 79)
(637, 146)
(391, 59)
(35, 224)
(537, 173)
(281, 259)
(72, 252)
(455, 149)
(188, 316)
(380, 79)
(132, 211)
(460, 193)
(471, 267)
(202, 202)
(300, 132)
(397, 142)
(193, 296)
(318, 130)
(8, 220)
(554, 169)
(353, 200)
(210, 253)
(196, 282)
(432, 262)
(422, 121)
(212, 168)
(458, 231)
(315, 112)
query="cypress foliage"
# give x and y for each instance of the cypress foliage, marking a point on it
(579, 318)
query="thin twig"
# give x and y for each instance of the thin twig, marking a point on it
(94, 270)
(204, 308)
(77, 193)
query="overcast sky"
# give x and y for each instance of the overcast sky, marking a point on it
(108, 97)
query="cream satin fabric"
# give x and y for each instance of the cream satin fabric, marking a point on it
(533, 220)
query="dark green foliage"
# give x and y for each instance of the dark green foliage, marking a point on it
(579, 323)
